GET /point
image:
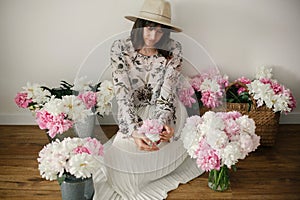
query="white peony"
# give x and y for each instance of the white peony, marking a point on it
(261, 92)
(82, 84)
(75, 108)
(54, 106)
(264, 72)
(217, 139)
(246, 124)
(78, 156)
(210, 85)
(52, 160)
(230, 154)
(82, 165)
(190, 136)
(103, 108)
(104, 97)
(106, 88)
(211, 121)
(281, 103)
(36, 93)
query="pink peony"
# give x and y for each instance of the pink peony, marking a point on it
(223, 81)
(292, 102)
(94, 146)
(229, 115)
(243, 80)
(89, 98)
(81, 150)
(231, 128)
(58, 125)
(185, 96)
(54, 124)
(211, 99)
(151, 128)
(196, 82)
(43, 118)
(207, 158)
(21, 100)
(241, 90)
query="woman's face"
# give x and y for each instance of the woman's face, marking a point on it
(152, 35)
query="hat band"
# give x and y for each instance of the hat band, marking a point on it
(155, 16)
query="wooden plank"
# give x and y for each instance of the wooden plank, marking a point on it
(268, 173)
(33, 194)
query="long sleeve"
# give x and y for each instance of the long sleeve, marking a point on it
(127, 116)
(165, 108)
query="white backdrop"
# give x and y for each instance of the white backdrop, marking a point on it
(45, 41)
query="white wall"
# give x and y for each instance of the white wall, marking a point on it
(45, 41)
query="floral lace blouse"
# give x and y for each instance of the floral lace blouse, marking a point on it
(141, 80)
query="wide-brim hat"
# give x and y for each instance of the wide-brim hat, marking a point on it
(158, 11)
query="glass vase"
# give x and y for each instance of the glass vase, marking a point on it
(218, 180)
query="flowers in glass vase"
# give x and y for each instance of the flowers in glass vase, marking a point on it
(151, 128)
(71, 157)
(209, 88)
(217, 141)
(267, 91)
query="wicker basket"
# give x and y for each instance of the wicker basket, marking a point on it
(203, 110)
(266, 121)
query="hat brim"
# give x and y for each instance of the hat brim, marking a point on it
(172, 27)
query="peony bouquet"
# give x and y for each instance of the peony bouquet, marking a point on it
(71, 157)
(58, 109)
(264, 90)
(209, 88)
(217, 140)
(151, 128)
(267, 91)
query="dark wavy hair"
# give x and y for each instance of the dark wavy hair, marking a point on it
(162, 46)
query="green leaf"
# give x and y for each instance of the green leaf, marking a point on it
(234, 168)
(61, 179)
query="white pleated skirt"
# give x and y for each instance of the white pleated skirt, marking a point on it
(127, 173)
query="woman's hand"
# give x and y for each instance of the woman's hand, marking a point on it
(167, 133)
(143, 143)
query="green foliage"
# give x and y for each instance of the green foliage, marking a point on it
(63, 90)
(233, 96)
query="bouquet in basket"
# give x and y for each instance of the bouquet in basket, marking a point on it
(57, 109)
(264, 90)
(217, 140)
(207, 88)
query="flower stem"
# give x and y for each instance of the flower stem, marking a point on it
(218, 180)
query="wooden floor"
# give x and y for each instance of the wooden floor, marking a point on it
(268, 173)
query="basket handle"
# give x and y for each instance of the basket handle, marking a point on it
(244, 86)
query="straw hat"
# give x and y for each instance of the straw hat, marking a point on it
(158, 11)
